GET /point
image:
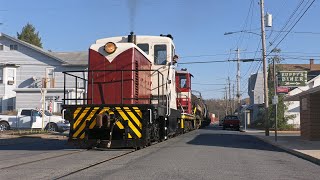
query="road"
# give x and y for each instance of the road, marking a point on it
(209, 153)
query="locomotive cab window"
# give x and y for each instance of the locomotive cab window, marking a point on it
(144, 47)
(183, 81)
(160, 54)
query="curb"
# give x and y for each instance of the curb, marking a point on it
(291, 151)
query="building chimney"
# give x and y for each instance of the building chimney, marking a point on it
(311, 64)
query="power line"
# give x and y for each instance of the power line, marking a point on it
(293, 26)
(287, 22)
(207, 84)
(205, 55)
(299, 32)
(203, 62)
(219, 61)
(244, 26)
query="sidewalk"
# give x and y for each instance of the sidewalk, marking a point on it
(291, 142)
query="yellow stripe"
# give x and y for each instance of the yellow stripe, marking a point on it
(76, 123)
(129, 136)
(138, 111)
(187, 117)
(83, 125)
(118, 123)
(104, 110)
(82, 136)
(92, 124)
(182, 123)
(135, 130)
(76, 112)
(135, 119)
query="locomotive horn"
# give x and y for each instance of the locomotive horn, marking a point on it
(132, 38)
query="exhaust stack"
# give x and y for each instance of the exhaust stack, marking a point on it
(132, 38)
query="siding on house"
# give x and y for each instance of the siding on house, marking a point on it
(31, 65)
(310, 125)
(256, 94)
(294, 106)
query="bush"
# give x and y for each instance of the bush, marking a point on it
(11, 113)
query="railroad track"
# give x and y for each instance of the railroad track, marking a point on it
(83, 168)
(42, 159)
(108, 159)
(94, 164)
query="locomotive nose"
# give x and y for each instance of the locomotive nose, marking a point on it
(132, 38)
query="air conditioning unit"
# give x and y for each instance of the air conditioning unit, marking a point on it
(10, 82)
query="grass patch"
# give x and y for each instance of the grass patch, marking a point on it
(27, 132)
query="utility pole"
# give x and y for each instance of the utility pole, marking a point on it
(226, 101)
(275, 84)
(265, 78)
(238, 80)
(233, 105)
(230, 95)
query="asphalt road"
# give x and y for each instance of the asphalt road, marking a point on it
(206, 154)
(209, 153)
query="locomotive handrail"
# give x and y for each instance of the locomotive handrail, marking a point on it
(86, 86)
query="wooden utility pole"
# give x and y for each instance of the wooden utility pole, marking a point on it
(229, 84)
(226, 101)
(233, 102)
(265, 78)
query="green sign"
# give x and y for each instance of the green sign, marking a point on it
(292, 78)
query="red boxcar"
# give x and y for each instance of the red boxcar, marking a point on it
(119, 81)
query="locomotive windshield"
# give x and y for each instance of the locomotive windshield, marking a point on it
(160, 54)
(183, 81)
(144, 47)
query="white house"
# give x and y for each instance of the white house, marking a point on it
(294, 106)
(26, 69)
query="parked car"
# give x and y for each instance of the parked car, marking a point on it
(231, 122)
(32, 119)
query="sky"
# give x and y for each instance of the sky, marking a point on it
(198, 29)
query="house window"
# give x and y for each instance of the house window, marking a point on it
(1, 47)
(160, 54)
(13, 47)
(11, 76)
(50, 72)
(49, 81)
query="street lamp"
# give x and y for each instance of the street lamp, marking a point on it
(228, 33)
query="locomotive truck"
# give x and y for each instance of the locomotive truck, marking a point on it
(133, 94)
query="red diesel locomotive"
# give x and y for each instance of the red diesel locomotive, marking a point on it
(130, 96)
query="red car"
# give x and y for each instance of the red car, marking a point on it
(231, 122)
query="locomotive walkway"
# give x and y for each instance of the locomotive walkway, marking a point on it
(291, 142)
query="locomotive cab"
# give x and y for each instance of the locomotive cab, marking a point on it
(183, 84)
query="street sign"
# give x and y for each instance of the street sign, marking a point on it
(292, 78)
(275, 100)
(283, 90)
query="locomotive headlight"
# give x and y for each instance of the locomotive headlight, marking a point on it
(110, 47)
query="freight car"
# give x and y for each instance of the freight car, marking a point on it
(130, 96)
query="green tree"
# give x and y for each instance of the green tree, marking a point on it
(282, 106)
(29, 35)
